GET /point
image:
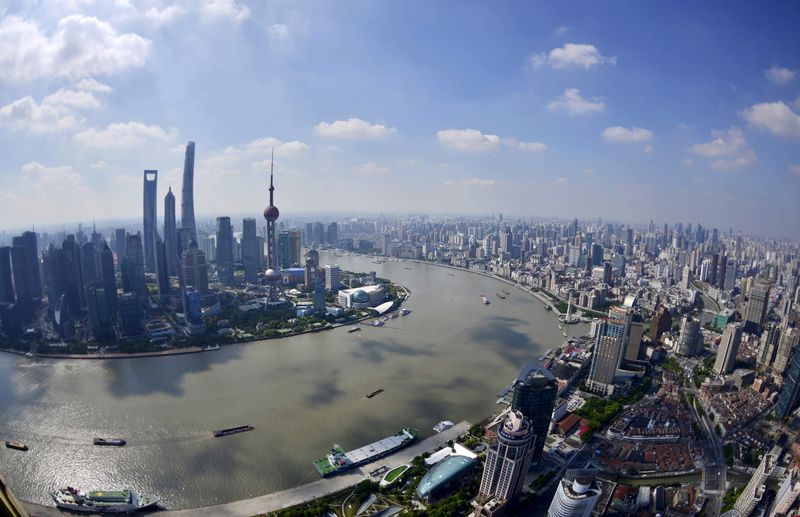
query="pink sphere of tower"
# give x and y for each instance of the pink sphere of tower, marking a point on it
(271, 213)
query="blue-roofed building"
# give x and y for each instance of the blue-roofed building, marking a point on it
(444, 476)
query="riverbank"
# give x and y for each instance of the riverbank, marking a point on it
(196, 349)
(304, 493)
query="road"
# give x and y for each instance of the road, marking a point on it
(715, 470)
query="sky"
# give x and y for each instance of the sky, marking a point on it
(628, 111)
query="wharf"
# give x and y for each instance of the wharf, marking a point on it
(303, 493)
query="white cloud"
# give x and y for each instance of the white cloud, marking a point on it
(72, 98)
(572, 102)
(26, 114)
(561, 29)
(81, 46)
(572, 55)
(467, 140)
(779, 75)
(124, 134)
(166, 15)
(533, 147)
(622, 134)
(56, 178)
(688, 161)
(796, 102)
(795, 169)
(560, 181)
(372, 169)
(264, 146)
(99, 165)
(230, 9)
(90, 85)
(280, 38)
(729, 149)
(353, 128)
(471, 182)
(775, 117)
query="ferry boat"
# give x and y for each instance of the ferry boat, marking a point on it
(209, 348)
(11, 444)
(233, 430)
(354, 328)
(377, 323)
(117, 442)
(444, 425)
(376, 392)
(500, 296)
(485, 299)
(102, 501)
(337, 460)
(405, 312)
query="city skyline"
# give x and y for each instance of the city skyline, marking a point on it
(532, 111)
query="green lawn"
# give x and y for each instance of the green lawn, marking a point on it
(394, 474)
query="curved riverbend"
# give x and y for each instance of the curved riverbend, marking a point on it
(446, 360)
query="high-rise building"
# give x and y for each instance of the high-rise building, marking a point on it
(130, 315)
(194, 270)
(597, 255)
(187, 193)
(119, 245)
(311, 269)
(787, 342)
(288, 253)
(25, 267)
(72, 279)
(319, 233)
(728, 348)
(192, 306)
(634, 341)
(162, 273)
(149, 221)
(789, 396)
(768, 345)
(250, 252)
(319, 297)
(757, 305)
(225, 250)
(109, 278)
(333, 233)
(271, 214)
(507, 462)
(576, 495)
(90, 266)
(688, 342)
(6, 283)
(757, 486)
(612, 335)
(787, 493)
(99, 312)
(171, 234)
(333, 277)
(535, 392)
(133, 280)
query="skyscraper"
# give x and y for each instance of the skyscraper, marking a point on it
(149, 227)
(99, 313)
(689, 337)
(130, 315)
(72, 279)
(170, 234)
(161, 270)
(187, 192)
(133, 267)
(194, 270)
(768, 345)
(756, 311)
(787, 342)
(25, 262)
(611, 337)
(271, 214)
(6, 284)
(225, 250)
(333, 277)
(250, 253)
(757, 486)
(288, 253)
(728, 348)
(507, 462)
(535, 391)
(577, 494)
(109, 280)
(789, 396)
(90, 266)
(333, 233)
(311, 269)
(119, 245)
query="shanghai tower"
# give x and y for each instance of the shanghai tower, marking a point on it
(150, 232)
(187, 192)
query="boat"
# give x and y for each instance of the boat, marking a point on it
(560, 326)
(565, 334)
(405, 312)
(485, 299)
(233, 430)
(377, 323)
(451, 274)
(393, 315)
(11, 444)
(376, 392)
(337, 460)
(500, 296)
(117, 442)
(30, 354)
(548, 307)
(354, 328)
(506, 292)
(103, 501)
(407, 268)
(444, 425)
(209, 348)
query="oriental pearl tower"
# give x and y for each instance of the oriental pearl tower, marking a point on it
(271, 214)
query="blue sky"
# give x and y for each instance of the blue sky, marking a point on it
(623, 110)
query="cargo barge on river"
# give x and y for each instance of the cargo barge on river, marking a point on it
(337, 460)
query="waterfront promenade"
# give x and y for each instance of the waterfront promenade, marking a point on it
(303, 493)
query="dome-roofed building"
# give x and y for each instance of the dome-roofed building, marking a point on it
(360, 296)
(444, 475)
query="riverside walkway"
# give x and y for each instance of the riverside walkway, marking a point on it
(303, 493)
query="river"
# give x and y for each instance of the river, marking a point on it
(446, 360)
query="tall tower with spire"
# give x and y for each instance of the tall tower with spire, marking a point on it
(271, 214)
